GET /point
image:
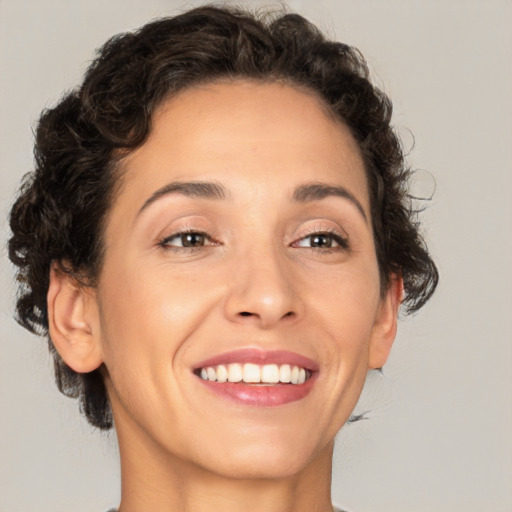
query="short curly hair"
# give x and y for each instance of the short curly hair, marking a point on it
(59, 214)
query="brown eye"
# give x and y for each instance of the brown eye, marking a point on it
(189, 240)
(192, 239)
(323, 241)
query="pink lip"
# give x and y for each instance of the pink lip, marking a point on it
(257, 356)
(263, 396)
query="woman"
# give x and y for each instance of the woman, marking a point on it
(216, 241)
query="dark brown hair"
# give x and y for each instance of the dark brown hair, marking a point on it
(60, 212)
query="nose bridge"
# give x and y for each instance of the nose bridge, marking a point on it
(262, 288)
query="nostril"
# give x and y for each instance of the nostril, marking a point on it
(247, 313)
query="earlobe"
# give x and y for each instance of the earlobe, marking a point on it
(385, 327)
(73, 321)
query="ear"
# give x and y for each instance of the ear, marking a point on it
(73, 321)
(384, 329)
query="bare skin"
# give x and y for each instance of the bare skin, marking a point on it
(257, 260)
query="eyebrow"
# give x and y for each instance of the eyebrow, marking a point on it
(318, 191)
(201, 189)
(211, 190)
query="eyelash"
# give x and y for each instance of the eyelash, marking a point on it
(338, 237)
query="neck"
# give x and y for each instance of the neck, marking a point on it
(153, 480)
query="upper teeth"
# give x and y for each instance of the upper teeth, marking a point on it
(253, 373)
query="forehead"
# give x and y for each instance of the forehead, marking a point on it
(267, 136)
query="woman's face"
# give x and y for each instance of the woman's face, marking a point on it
(239, 246)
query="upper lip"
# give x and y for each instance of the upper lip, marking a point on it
(260, 357)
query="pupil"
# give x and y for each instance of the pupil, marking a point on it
(192, 239)
(321, 241)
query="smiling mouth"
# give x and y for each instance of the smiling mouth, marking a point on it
(254, 374)
(258, 378)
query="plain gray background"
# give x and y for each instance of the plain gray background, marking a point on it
(440, 433)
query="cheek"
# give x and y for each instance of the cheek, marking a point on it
(151, 313)
(145, 321)
(345, 309)
(348, 298)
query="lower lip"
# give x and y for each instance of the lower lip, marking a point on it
(262, 396)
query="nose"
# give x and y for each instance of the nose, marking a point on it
(262, 291)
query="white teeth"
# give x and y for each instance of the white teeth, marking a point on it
(255, 374)
(270, 374)
(252, 373)
(235, 372)
(222, 373)
(285, 373)
(212, 375)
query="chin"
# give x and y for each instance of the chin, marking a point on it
(260, 467)
(266, 459)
